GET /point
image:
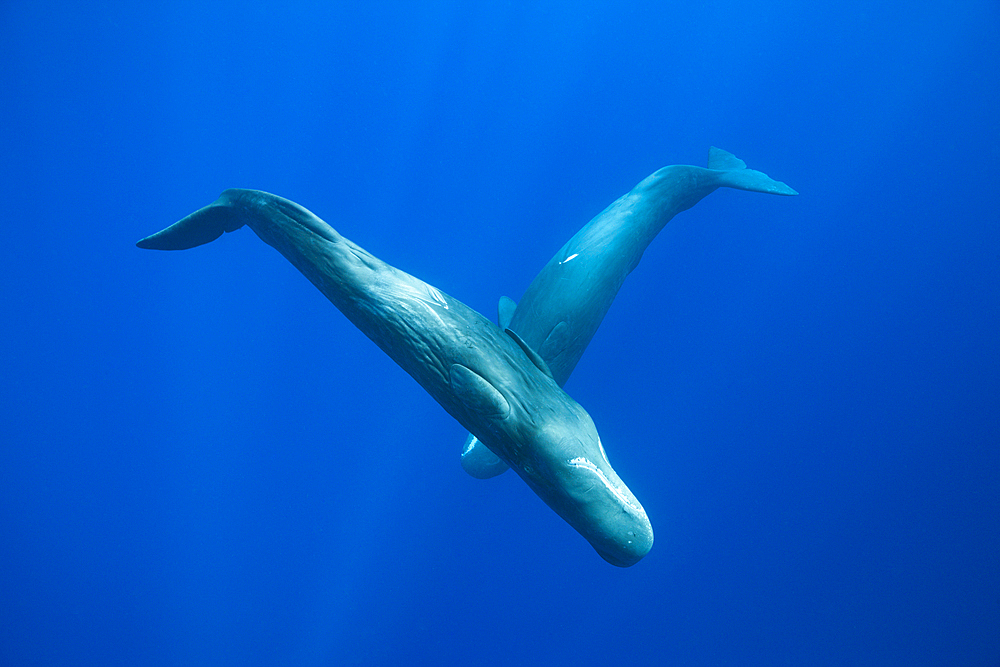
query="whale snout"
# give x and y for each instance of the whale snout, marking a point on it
(616, 524)
(606, 511)
(632, 541)
(569, 469)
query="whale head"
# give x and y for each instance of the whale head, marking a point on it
(566, 465)
(528, 421)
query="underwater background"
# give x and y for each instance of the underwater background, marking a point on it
(202, 462)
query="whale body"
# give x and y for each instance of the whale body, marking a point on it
(566, 302)
(487, 378)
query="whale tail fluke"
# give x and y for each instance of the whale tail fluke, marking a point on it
(202, 226)
(738, 176)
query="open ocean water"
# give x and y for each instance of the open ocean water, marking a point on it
(202, 462)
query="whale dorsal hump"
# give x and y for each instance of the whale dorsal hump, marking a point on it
(724, 160)
(531, 354)
(505, 311)
(477, 394)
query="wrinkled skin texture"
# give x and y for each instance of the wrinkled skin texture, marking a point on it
(479, 373)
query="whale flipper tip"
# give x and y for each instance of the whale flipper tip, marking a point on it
(723, 160)
(741, 178)
(201, 227)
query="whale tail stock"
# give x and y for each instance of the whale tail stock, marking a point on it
(738, 176)
(201, 227)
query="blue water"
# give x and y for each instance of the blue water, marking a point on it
(202, 462)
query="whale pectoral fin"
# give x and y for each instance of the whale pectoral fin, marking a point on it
(556, 342)
(479, 461)
(531, 354)
(741, 178)
(477, 394)
(505, 311)
(201, 227)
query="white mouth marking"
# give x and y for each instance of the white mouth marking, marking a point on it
(573, 256)
(586, 464)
